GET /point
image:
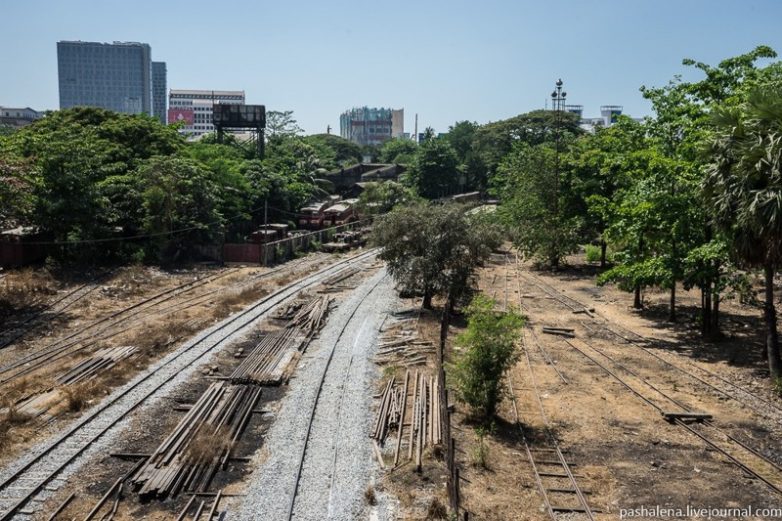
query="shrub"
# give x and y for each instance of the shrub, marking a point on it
(489, 345)
(593, 253)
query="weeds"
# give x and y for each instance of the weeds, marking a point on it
(436, 509)
(479, 455)
(778, 386)
(78, 396)
(24, 288)
(369, 496)
(206, 446)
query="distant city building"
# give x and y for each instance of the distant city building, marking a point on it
(575, 109)
(116, 76)
(159, 91)
(194, 108)
(371, 126)
(18, 117)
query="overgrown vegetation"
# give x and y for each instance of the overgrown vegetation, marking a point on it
(103, 187)
(488, 349)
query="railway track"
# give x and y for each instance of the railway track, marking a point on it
(124, 320)
(23, 482)
(49, 313)
(322, 380)
(555, 479)
(719, 438)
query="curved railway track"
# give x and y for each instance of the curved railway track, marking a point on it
(311, 420)
(748, 458)
(23, 481)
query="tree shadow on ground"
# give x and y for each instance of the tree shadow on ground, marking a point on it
(742, 339)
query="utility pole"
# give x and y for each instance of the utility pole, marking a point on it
(415, 135)
(558, 104)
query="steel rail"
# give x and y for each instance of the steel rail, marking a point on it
(291, 289)
(322, 380)
(63, 351)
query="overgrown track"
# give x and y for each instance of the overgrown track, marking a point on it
(123, 320)
(748, 458)
(549, 463)
(24, 480)
(47, 314)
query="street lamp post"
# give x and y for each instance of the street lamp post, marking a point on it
(558, 97)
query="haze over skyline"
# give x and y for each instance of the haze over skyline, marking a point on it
(446, 61)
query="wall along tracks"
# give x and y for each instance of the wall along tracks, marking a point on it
(22, 481)
(700, 424)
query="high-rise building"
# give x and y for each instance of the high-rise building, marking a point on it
(194, 108)
(115, 76)
(371, 126)
(159, 90)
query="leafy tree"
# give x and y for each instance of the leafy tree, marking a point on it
(382, 197)
(431, 249)
(180, 201)
(533, 204)
(743, 186)
(341, 151)
(434, 173)
(398, 150)
(16, 193)
(281, 124)
(599, 166)
(489, 349)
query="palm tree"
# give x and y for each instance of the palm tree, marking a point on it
(743, 184)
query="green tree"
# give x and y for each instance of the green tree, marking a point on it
(534, 203)
(488, 351)
(382, 197)
(743, 186)
(397, 150)
(281, 123)
(431, 249)
(180, 200)
(340, 151)
(434, 172)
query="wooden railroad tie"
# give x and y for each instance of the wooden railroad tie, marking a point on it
(561, 331)
(686, 415)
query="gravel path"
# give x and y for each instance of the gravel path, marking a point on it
(338, 465)
(99, 427)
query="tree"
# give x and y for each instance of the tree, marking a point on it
(382, 197)
(431, 249)
(743, 186)
(533, 204)
(281, 124)
(434, 173)
(489, 350)
(16, 193)
(341, 152)
(180, 200)
(398, 150)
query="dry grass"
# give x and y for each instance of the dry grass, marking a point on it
(131, 281)
(436, 509)
(231, 301)
(25, 288)
(12, 418)
(205, 445)
(369, 495)
(78, 396)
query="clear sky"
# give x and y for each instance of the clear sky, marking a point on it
(481, 60)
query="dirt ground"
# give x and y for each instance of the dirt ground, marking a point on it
(623, 453)
(105, 318)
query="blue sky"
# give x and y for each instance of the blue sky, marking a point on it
(481, 60)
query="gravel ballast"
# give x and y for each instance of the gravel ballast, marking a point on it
(338, 465)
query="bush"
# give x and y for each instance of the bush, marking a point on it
(593, 253)
(489, 345)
